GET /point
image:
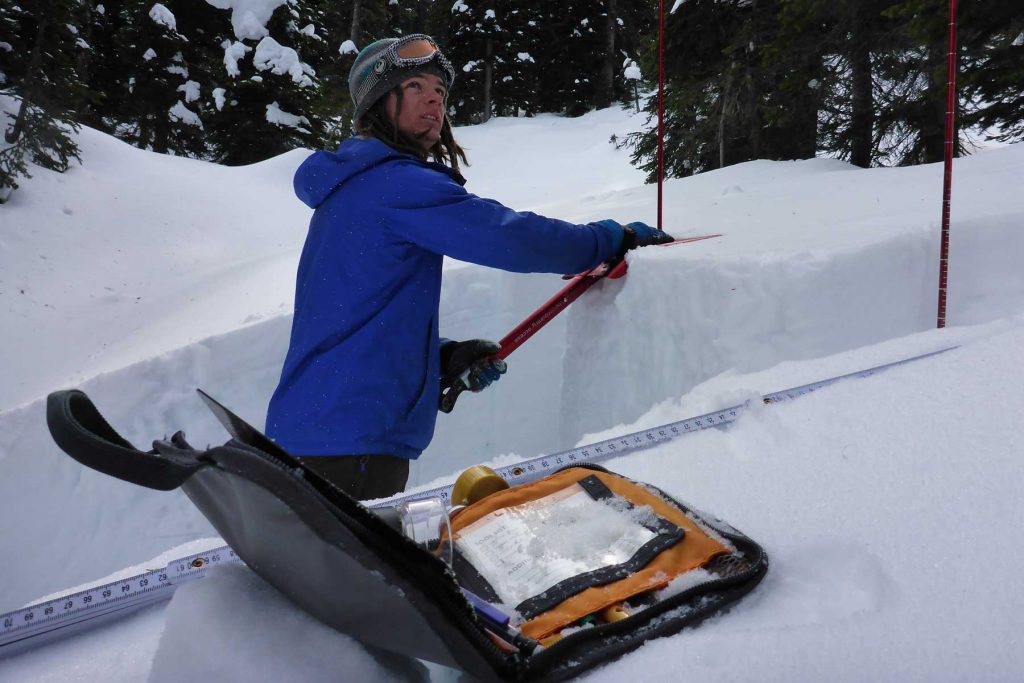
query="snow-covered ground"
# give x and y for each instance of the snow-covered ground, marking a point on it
(887, 504)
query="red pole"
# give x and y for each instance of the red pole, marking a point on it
(947, 175)
(661, 105)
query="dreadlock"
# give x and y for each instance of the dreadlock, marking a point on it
(376, 123)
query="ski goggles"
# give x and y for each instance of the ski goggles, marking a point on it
(407, 52)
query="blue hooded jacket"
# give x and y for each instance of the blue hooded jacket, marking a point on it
(362, 374)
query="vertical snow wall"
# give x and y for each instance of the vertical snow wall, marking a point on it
(678, 319)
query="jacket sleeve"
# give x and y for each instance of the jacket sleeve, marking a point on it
(428, 208)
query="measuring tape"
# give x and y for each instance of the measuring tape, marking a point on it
(529, 470)
(46, 621)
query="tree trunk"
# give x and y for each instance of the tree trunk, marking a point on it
(723, 110)
(485, 105)
(933, 125)
(606, 79)
(862, 114)
(356, 30)
(14, 132)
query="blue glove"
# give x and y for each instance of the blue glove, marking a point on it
(473, 356)
(636, 234)
(643, 235)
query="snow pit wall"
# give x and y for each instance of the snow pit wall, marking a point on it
(678, 319)
(676, 322)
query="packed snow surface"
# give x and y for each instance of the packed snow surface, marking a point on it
(888, 504)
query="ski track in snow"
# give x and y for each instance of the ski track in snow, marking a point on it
(887, 505)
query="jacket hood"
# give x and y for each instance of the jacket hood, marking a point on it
(323, 172)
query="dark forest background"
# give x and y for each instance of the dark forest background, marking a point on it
(860, 80)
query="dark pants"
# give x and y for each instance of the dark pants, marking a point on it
(364, 477)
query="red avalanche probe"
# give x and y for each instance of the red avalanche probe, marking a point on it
(543, 315)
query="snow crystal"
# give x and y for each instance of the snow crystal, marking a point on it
(249, 17)
(179, 112)
(1019, 40)
(72, 28)
(232, 53)
(470, 66)
(163, 16)
(191, 90)
(178, 70)
(149, 54)
(460, 6)
(101, 9)
(524, 57)
(282, 118)
(348, 48)
(676, 6)
(489, 14)
(218, 98)
(281, 60)
(82, 44)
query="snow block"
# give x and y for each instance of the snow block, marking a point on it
(346, 566)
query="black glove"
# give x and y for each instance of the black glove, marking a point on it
(472, 355)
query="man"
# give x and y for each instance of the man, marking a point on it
(359, 390)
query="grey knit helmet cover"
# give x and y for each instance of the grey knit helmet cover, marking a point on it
(373, 75)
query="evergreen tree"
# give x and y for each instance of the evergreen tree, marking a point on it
(911, 120)
(370, 22)
(320, 43)
(270, 104)
(636, 23)
(39, 61)
(854, 36)
(569, 46)
(992, 75)
(525, 67)
(106, 66)
(161, 107)
(478, 47)
(711, 91)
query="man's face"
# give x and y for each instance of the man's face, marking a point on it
(422, 111)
